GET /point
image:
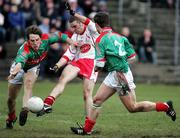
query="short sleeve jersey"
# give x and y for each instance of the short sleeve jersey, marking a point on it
(87, 38)
(28, 57)
(115, 49)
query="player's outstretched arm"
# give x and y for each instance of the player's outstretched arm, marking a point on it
(73, 13)
(15, 70)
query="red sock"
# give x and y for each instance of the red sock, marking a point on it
(161, 107)
(49, 100)
(89, 124)
(11, 116)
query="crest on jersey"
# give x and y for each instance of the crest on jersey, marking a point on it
(85, 48)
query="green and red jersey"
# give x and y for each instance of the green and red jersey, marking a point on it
(28, 57)
(115, 49)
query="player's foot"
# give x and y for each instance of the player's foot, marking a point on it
(79, 131)
(171, 112)
(46, 109)
(10, 123)
(23, 116)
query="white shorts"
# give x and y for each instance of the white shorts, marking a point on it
(18, 79)
(119, 81)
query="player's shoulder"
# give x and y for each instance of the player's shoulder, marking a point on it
(25, 48)
(101, 36)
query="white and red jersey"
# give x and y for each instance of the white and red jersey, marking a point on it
(83, 56)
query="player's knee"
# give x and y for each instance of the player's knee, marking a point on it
(28, 83)
(97, 101)
(87, 94)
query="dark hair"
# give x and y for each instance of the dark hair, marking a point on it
(33, 29)
(102, 19)
(72, 19)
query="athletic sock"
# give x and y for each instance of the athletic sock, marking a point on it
(11, 116)
(89, 124)
(49, 100)
(161, 107)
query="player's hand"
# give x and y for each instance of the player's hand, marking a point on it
(55, 68)
(68, 7)
(11, 76)
(77, 44)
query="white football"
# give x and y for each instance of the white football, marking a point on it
(35, 104)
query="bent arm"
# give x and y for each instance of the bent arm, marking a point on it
(80, 17)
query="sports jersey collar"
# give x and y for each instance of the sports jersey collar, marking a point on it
(107, 29)
(28, 44)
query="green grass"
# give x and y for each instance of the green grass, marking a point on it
(114, 122)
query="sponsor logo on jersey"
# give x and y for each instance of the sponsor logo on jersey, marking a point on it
(85, 48)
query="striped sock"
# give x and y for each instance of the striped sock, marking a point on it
(11, 116)
(49, 100)
(89, 124)
(161, 107)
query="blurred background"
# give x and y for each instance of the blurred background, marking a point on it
(152, 27)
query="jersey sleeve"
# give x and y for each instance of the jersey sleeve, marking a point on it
(129, 49)
(57, 36)
(22, 56)
(91, 26)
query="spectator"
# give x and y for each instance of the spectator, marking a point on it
(126, 32)
(2, 29)
(89, 7)
(28, 12)
(146, 47)
(44, 26)
(102, 6)
(3, 52)
(17, 22)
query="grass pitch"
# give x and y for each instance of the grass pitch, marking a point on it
(114, 121)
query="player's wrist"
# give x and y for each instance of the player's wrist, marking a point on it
(72, 12)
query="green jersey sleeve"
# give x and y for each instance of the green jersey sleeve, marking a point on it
(58, 36)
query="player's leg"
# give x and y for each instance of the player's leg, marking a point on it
(69, 73)
(88, 87)
(103, 93)
(13, 90)
(14, 86)
(128, 98)
(30, 78)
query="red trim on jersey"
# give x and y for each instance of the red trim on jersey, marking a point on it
(69, 34)
(87, 21)
(65, 57)
(83, 30)
(36, 61)
(132, 55)
(102, 59)
(44, 36)
(100, 37)
(26, 48)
